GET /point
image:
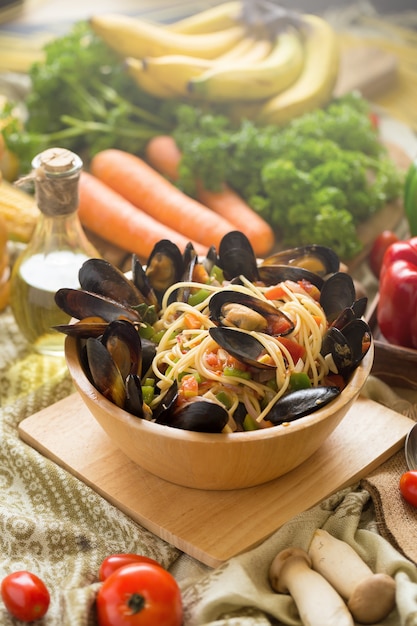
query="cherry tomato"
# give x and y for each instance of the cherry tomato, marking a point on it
(25, 596)
(114, 561)
(381, 243)
(139, 594)
(408, 487)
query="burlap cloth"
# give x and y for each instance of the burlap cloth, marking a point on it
(54, 525)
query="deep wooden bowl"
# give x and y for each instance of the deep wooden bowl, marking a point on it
(215, 461)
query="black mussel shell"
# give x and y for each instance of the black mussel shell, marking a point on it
(87, 327)
(164, 267)
(337, 293)
(166, 404)
(300, 403)
(315, 258)
(134, 396)
(105, 374)
(101, 277)
(81, 304)
(236, 257)
(123, 342)
(199, 415)
(274, 274)
(242, 346)
(141, 282)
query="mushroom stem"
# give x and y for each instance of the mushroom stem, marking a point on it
(370, 597)
(318, 603)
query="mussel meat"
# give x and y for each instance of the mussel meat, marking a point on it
(240, 310)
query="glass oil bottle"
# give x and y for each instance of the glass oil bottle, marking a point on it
(55, 253)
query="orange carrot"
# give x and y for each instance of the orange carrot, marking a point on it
(106, 213)
(149, 190)
(163, 154)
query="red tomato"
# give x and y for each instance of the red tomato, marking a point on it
(408, 487)
(139, 594)
(25, 596)
(381, 243)
(114, 561)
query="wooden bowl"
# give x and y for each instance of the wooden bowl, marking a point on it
(215, 461)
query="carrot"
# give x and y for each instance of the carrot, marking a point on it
(106, 213)
(149, 190)
(163, 154)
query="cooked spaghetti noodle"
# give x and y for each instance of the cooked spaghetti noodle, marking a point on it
(187, 350)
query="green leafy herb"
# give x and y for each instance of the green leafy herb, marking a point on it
(82, 99)
(313, 180)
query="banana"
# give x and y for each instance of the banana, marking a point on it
(175, 71)
(248, 50)
(256, 81)
(133, 37)
(215, 18)
(315, 85)
(136, 69)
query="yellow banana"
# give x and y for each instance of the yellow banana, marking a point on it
(247, 50)
(256, 81)
(151, 85)
(315, 85)
(175, 70)
(215, 18)
(134, 37)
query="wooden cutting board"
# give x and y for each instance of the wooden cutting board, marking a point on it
(207, 525)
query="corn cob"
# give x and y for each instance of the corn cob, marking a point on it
(19, 211)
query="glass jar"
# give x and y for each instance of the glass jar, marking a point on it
(55, 253)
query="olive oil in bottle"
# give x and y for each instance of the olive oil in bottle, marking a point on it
(54, 254)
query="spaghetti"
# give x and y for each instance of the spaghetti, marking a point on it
(189, 355)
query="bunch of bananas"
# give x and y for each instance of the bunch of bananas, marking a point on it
(218, 56)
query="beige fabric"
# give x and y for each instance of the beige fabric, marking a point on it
(54, 525)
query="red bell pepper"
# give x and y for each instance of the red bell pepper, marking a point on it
(397, 307)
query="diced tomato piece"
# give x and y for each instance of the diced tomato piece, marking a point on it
(188, 386)
(191, 321)
(274, 293)
(296, 350)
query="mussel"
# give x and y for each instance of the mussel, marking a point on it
(236, 257)
(240, 310)
(199, 414)
(242, 346)
(84, 304)
(103, 278)
(301, 402)
(318, 260)
(114, 365)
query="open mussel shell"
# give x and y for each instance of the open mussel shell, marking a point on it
(199, 415)
(242, 346)
(134, 396)
(317, 259)
(142, 283)
(102, 277)
(81, 304)
(87, 327)
(274, 274)
(337, 293)
(347, 346)
(236, 257)
(164, 267)
(241, 310)
(104, 373)
(301, 402)
(123, 342)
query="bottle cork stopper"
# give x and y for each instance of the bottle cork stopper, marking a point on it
(57, 161)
